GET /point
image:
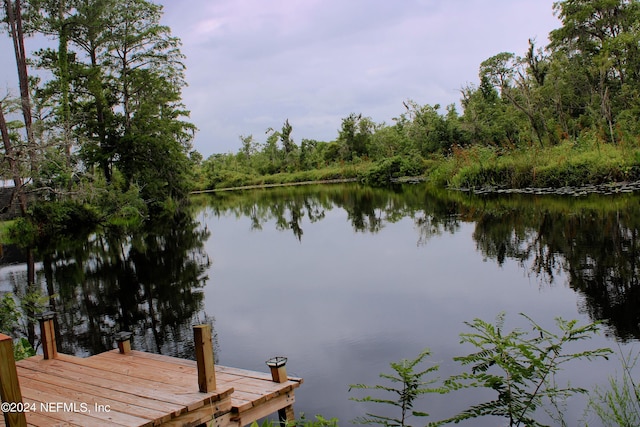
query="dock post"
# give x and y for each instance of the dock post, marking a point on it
(279, 374)
(204, 358)
(9, 385)
(123, 339)
(278, 370)
(48, 335)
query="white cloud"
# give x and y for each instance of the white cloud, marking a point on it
(207, 27)
(251, 64)
(315, 62)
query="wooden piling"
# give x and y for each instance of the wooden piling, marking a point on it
(9, 385)
(48, 335)
(204, 358)
(124, 342)
(277, 365)
(286, 416)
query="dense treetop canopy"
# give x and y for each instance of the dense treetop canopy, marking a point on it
(109, 118)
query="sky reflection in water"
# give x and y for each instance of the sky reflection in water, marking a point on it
(342, 304)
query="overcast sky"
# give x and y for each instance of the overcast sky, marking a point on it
(251, 64)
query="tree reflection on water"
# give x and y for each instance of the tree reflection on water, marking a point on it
(152, 283)
(149, 283)
(593, 240)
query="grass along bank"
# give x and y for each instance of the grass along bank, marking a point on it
(567, 164)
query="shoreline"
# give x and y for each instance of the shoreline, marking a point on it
(582, 190)
(574, 191)
(284, 184)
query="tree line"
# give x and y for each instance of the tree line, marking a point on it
(98, 121)
(582, 88)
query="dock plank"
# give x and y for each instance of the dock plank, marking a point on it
(195, 419)
(128, 366)
(36, 419)
(78, 418)
(136, 386)
(160, 369)
(219, 368)
(140, 414)
(173, 364)
(143, 390)
(254, 374)
(250, 388)
(144, 405)
(260, 411)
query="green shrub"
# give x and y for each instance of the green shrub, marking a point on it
(319, 421)
(406, 386)
(520, 367)
(52, 219)
(566, 164)
(392, 168)
(618, 404)
(11, 315)
(226, 179)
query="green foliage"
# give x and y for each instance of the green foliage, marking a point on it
(332, 152)
(355, 136)
(10, 316)
(427, 131)
(5, 226)
(114, 94)
(114, 204)
(618, 404)
(220, 176)
(520, 367)
(472, 167)
(33, 303)
(49, 220)
(22, 232)
(116, 76)
(319, 421)
(22, 349)
(565, 164)
(406, 387)
(384, 172)
(487, 119)
(63, 216)
(226, 179)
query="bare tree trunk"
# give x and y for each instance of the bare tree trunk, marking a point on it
(63, 66)
(13, 164)
(14, 20)
(605, 108)
(101, 113)
(530, 115)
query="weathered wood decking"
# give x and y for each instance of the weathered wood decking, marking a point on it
(143, 389)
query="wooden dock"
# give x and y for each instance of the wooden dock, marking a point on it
(131, 388)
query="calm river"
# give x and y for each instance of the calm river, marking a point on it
(344, 279)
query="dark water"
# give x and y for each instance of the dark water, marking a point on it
(344, 279)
